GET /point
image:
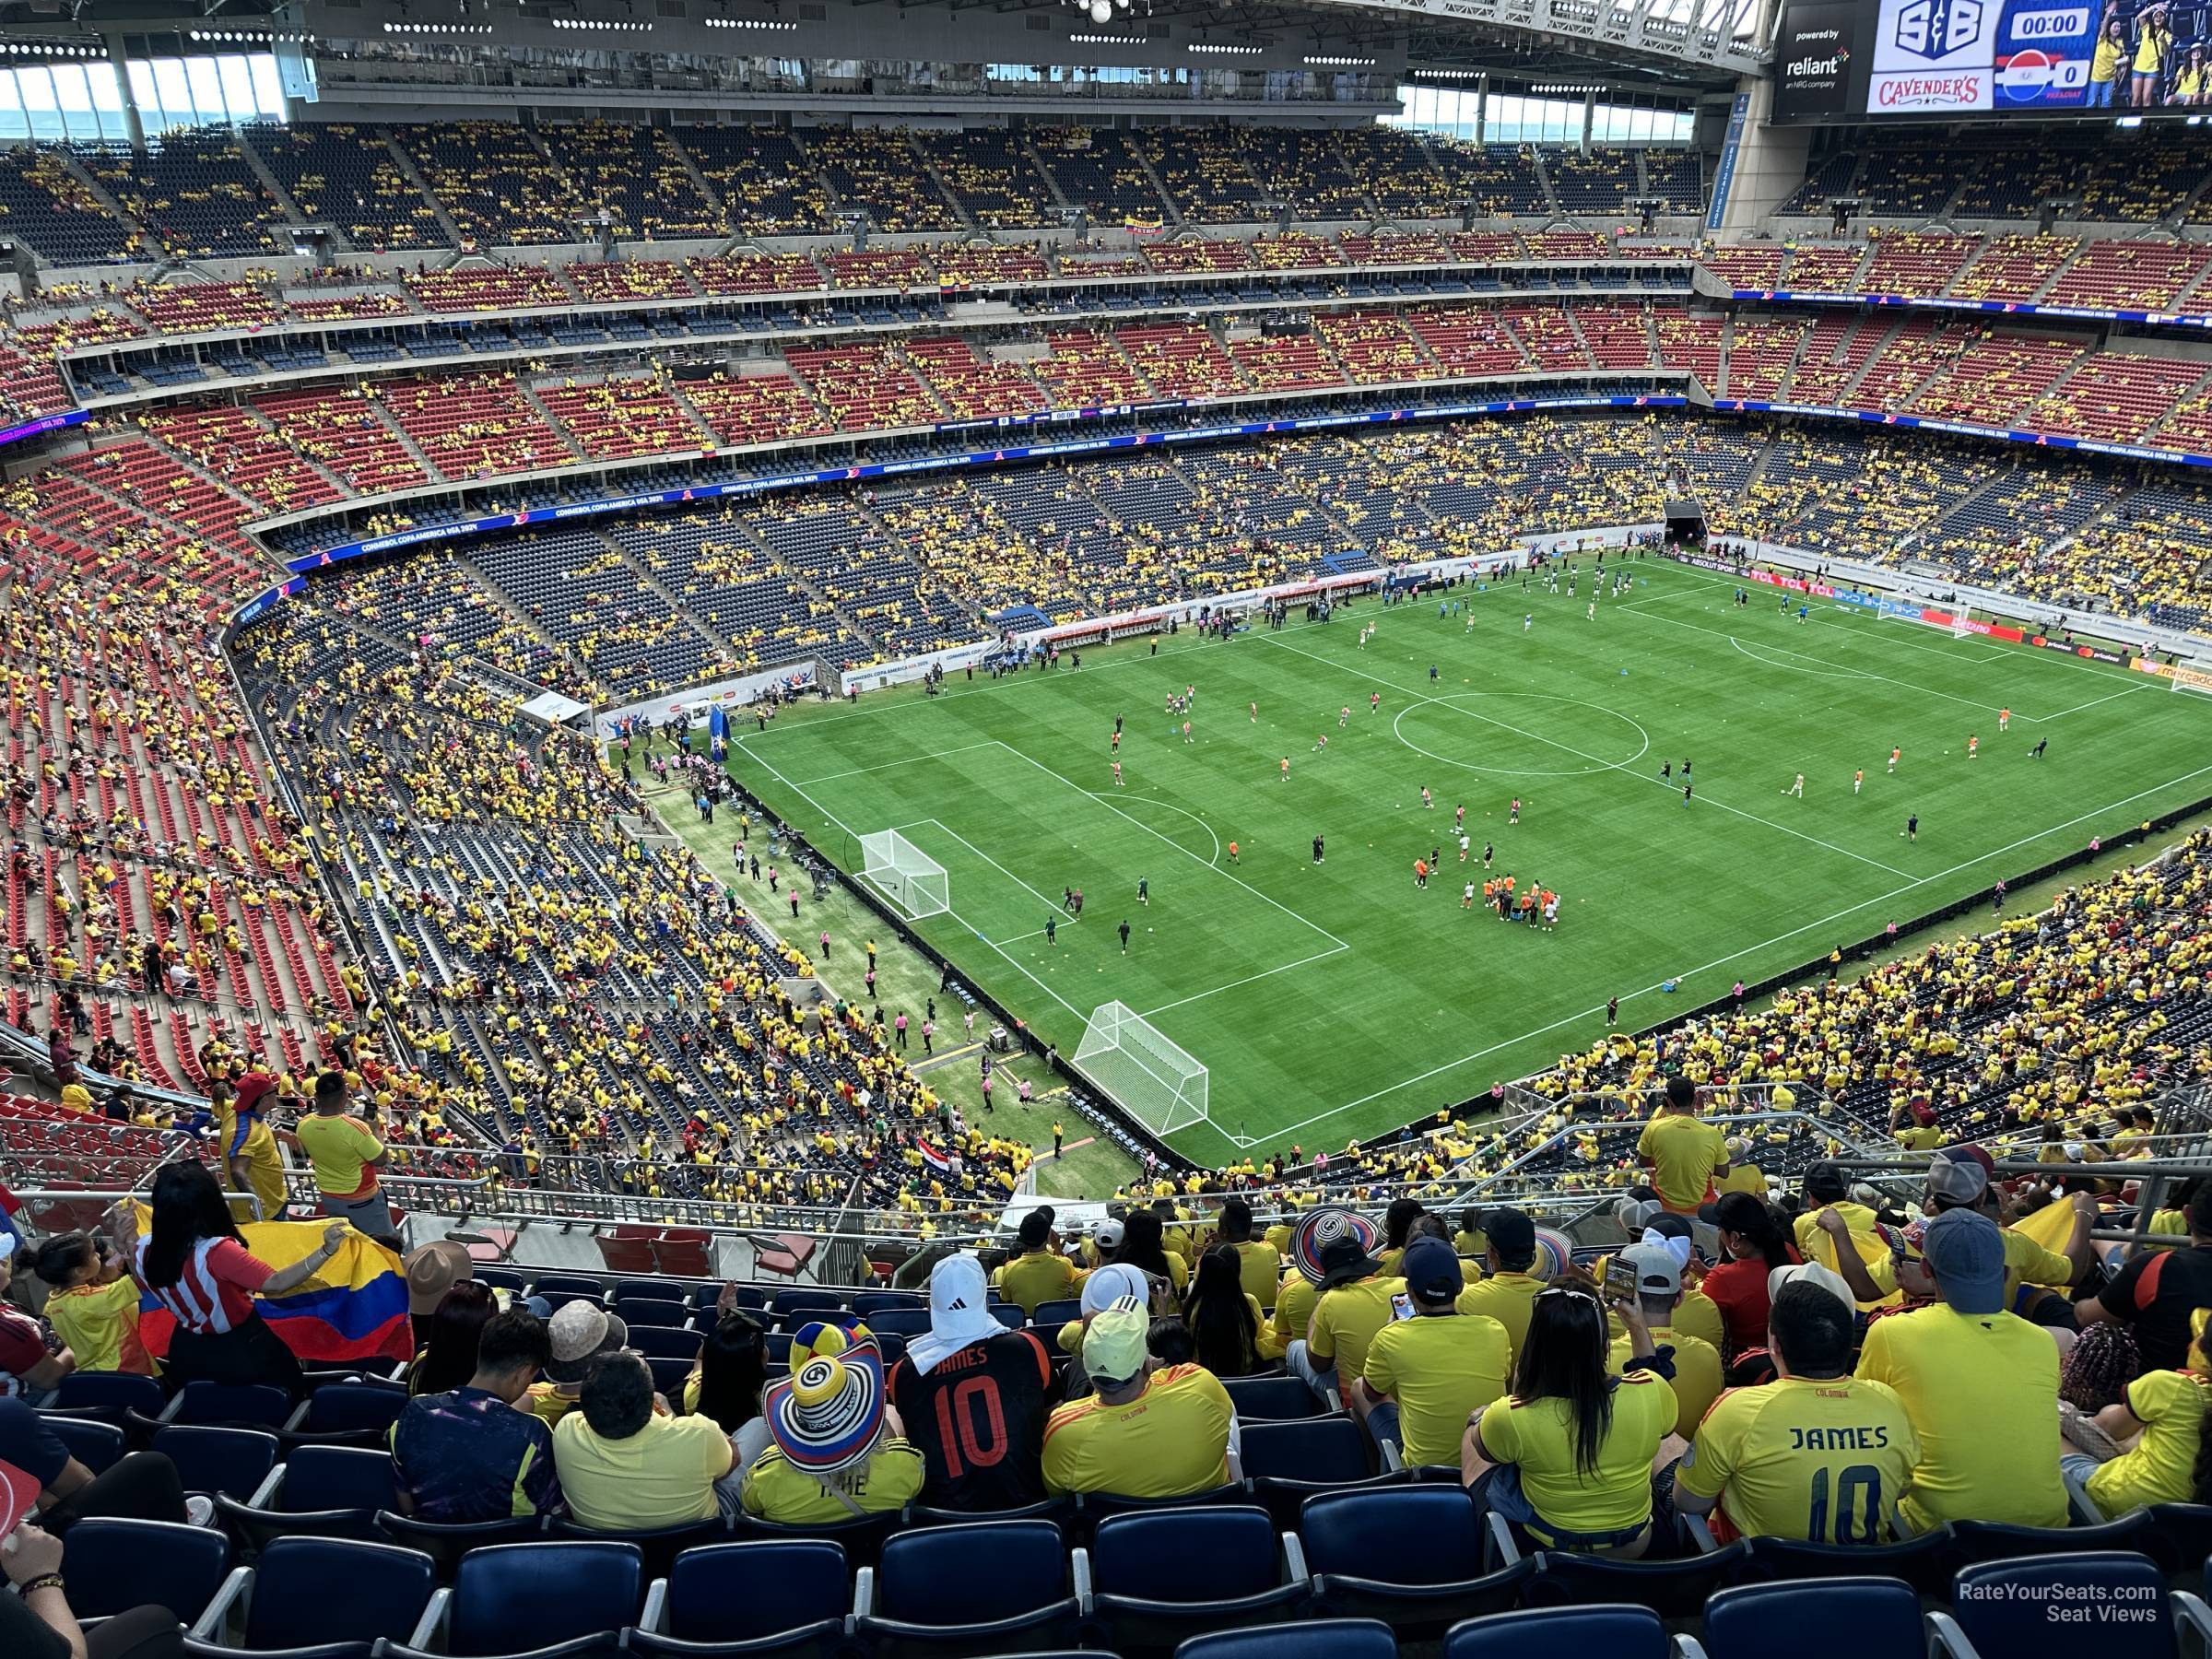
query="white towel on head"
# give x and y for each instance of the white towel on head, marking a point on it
(960, 1312)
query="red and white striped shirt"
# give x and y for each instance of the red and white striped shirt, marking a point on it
(215, 1291)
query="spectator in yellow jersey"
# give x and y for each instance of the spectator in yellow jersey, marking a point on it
(1039, 1273)
(838, 1451)
(250, 1155)
(1145, 1431)
(1685, 1152)
(1425, 1375)
(1980, 1384)
(1259, 1264)
(1696, 1381)
(347, 1158)
(94, 1307)
(1565, 1457)
(2160, 1424)
(1506, 1292)
(1351, 1297)
(1817, 1453)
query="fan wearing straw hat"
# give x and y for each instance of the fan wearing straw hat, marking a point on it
(838, 1450)
(1334, 1249)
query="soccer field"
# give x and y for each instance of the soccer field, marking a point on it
(1335, 1000)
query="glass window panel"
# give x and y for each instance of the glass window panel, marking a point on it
(171, 94)
(206, 86)
(37, 88)
(238, 86)
(268, 89)
(14, 124)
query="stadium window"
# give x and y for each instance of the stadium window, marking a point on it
(35, 85)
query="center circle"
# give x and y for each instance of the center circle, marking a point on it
(1521, 733)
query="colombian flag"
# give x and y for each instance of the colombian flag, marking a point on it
(354, 1309)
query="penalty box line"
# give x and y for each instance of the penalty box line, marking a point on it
(1434, 1071)
(832, 817)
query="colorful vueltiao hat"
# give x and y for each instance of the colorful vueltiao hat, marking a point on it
(825, 1417)
(1323, 1228)
(1554, 1254)
(822, 1336)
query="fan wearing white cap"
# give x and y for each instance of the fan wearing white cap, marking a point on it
(1144, 1432)
(1818, 1453)
(1698, 1378)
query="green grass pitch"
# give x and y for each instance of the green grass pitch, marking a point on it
(1334, 1001)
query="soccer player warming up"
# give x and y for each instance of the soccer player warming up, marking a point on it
(1797, 788)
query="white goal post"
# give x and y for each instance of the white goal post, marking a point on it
(914, 882)
(1151, 1080)
(2192, 679)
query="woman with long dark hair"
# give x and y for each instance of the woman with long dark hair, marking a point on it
(448, 1357)
(194, 1264)
(1224, 1319)
(1753, 1243)
(1565, 1457)
(727, 1384)
(1143, 1246)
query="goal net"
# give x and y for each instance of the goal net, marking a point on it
(2192, 679)
(905, 874)
(1149, 1077)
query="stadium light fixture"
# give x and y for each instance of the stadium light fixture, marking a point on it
(1339, 62)
(1106, 40)
(1221, 49)
(761, 24)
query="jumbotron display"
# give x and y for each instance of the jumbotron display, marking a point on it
(1840, 60)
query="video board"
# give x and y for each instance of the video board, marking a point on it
(1933, 60)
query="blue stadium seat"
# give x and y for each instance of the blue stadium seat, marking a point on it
(1926, 1562)
(97, 1445)
(904, 1322)
(568, 1283)
(117, 1565)
(323, 1491)
(552, 1601)
(446, 1543)
(109, 1394)
(317, 1598)
(1293, 1461)
(1318, 1638)
(1008, 1314)
(1272, 1399)
(997, 1586)
(1672, 1589)
(1058, 1311)
(1834, 1618)
(2003, 1607)
(230, 1405)
(1974, 1541)
(657, 1548)
(668, 1375)
(1058, 1512)
(1410, 1556)
(812, 1303)
(669, 1312)
(862, 1538)
(1145, 1594)
(2180, 1536)
(1092, 1507)
(1618, 1633)
(235, 1461)
(868, 1304)
(665, 1342)
(348, 1413)
(761, 1601)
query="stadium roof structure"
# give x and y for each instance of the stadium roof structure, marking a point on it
(1703, 44)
